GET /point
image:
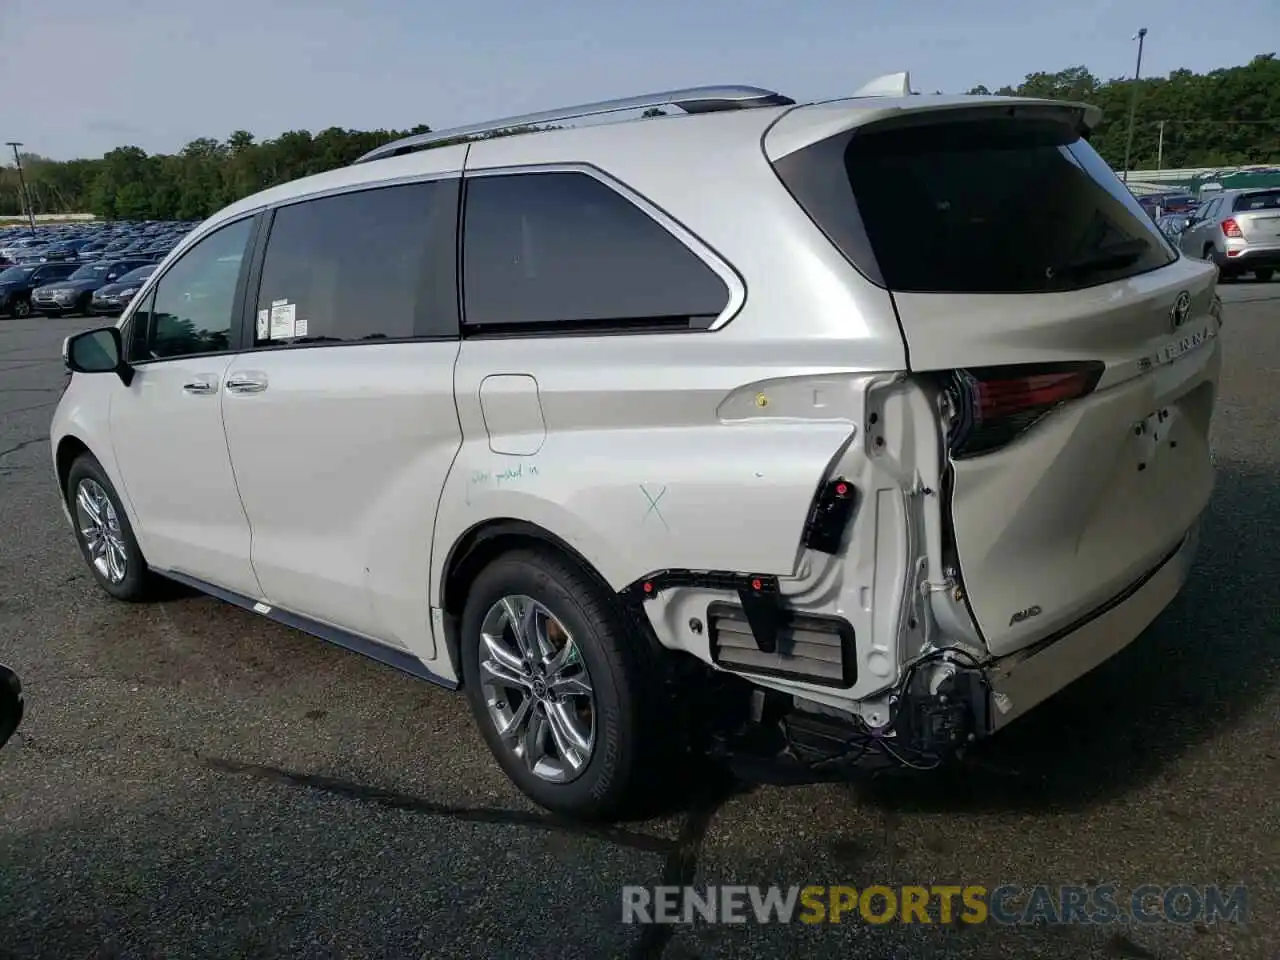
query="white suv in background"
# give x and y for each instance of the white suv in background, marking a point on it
(884, 417)
(1239, 230)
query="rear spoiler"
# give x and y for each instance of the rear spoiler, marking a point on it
(802, 127)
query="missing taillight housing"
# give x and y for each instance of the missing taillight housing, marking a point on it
(829, 516)
(993, 406)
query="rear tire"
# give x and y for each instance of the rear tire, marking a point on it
(1224, 273)
(20, 309)
(104, 533)
(1264, 274)
(536, 720)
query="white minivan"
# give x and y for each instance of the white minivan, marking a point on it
(885, 417)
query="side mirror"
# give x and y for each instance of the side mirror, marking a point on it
(11, 704)
(97, 351)
(112, 276)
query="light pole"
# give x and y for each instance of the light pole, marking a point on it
(1133, 104)
(22, 180)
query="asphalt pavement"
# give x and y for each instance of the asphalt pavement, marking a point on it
(194, 781)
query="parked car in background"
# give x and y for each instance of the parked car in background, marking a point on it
(111, 299)
(74, 293)
(18, 282)
(1161, 204)
(63, 250)
(1172, 224)
(92, 251)
(14, 249)
(89, 242)
(34, 253)
(1239, 230)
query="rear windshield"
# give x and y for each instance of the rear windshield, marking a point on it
(995, 206)
(1262, 200)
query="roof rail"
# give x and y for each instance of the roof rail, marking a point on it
(690, 100)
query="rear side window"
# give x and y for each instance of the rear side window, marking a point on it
(373, 265)
(1262, 200)
(553, 251)
(991, 206)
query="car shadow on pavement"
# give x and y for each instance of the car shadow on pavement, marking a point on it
(1203, 664)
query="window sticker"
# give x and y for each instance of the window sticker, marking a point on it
(282, 320)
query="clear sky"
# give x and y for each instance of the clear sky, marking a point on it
(79, 77)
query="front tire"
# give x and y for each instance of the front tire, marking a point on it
(104, 533)
(560, 683)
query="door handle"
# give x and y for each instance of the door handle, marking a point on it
(246, 382)
(201, 386)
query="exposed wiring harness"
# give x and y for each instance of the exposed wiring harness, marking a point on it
(884, 742)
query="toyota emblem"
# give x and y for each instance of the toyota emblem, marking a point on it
(1181, 309)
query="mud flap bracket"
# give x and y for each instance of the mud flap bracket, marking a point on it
(762, 605)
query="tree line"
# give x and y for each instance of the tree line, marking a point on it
(1224, 117)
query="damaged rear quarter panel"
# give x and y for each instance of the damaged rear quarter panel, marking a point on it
(880, 582)
(638, 470)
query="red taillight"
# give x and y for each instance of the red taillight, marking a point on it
(1003, 398)
(995, 405)
(1231, 228)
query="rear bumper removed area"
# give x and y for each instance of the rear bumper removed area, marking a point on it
(1025, 679)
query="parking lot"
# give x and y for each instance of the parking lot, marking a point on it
(194, 781)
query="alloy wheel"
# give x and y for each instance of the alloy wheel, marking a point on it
(99, 526)
(537, 689)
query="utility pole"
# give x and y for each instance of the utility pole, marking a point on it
(1133, 103)
(26, 197)
(1160, 149)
